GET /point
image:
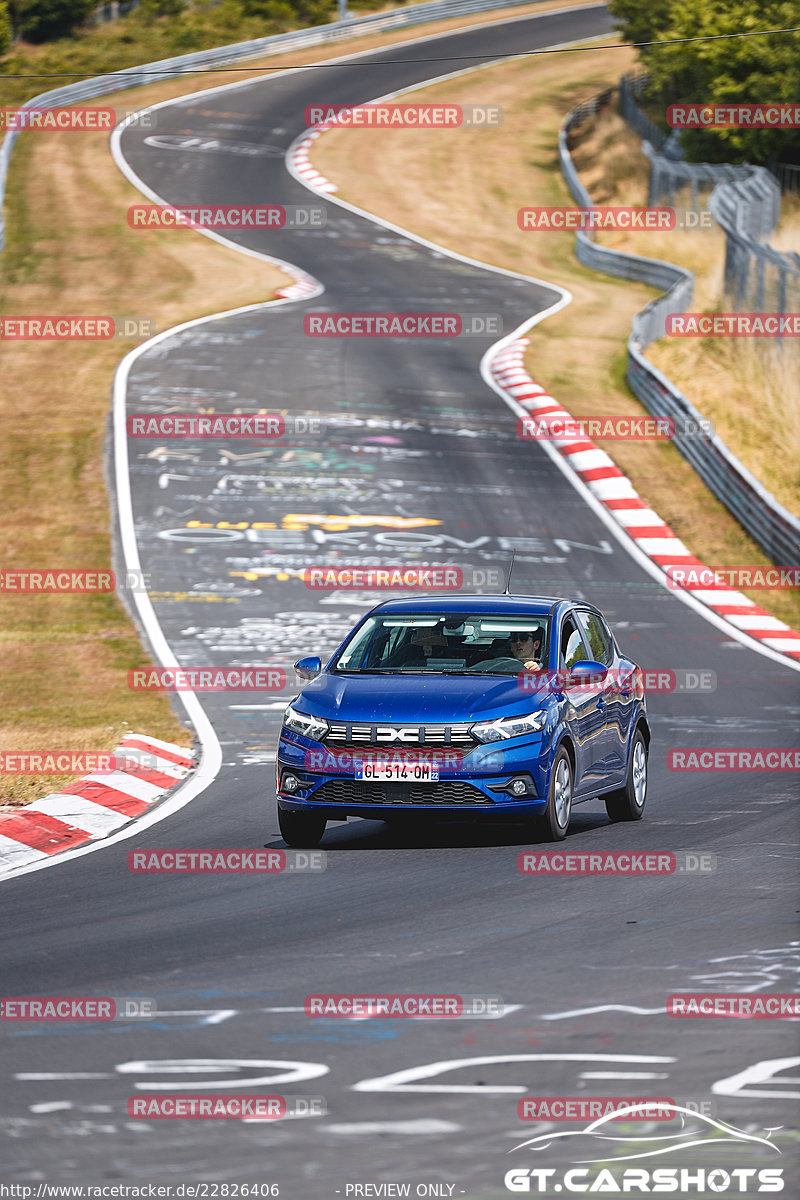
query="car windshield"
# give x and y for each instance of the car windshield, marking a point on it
(446, 644)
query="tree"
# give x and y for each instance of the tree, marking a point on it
(5, 28)
(720, 70)
(45, 20)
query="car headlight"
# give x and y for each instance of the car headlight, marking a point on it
(310, 727)
(508, 727)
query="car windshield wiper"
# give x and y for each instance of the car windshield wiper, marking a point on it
(367, 671)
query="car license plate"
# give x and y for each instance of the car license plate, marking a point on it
(397, 772)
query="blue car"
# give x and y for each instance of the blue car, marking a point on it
(506, 708)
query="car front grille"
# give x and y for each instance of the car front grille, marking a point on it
(352, 736)
(354, 791)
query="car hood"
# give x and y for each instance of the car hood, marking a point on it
(422, 698)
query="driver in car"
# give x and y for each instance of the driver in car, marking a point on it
(526, 646)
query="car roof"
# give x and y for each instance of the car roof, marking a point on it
(540, 606)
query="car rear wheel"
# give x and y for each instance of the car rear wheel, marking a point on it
(627, 804)
(553, 824)
(303, 830)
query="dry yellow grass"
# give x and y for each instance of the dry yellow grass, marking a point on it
(65, 657)
(463, 189)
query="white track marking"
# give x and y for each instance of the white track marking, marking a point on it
(598, 1008)
(624, 1075)
(761, 1072)
(295, 1072)
(406, 1081)
(51, 1075)
(411, 1128)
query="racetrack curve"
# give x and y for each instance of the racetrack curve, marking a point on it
(436, 910)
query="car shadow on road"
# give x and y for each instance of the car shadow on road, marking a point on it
(363, 834)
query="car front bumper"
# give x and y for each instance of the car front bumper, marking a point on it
(477, 786)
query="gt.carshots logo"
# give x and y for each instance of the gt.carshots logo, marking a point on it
(684, 1181)
(694, 1131)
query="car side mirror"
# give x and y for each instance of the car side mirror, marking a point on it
(308, 668)
(587, 669)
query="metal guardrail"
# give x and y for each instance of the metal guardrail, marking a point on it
(787, 175)
(756, 276)
(743, 199)
(775, 529)
(278, 43)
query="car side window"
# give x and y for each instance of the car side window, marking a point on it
(572, 647)
(598, 637)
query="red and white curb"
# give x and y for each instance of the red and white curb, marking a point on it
(299, 158)
(95, 806)
(616, 493)
(303, 287)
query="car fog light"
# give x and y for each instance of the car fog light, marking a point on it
(290, 783)
(519, 787)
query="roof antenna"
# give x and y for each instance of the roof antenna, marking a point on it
(510, 569)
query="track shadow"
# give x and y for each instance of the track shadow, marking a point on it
(419, 834)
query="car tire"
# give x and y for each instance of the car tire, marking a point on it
(299, 829)
(553, 824)
(627, 804)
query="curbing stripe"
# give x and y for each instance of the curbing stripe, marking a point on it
(77, 810)
(140, 741)
(40, 831)
(652, 536)
(15, 854)
(95, 806)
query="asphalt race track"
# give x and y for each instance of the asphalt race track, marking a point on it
(416, 440)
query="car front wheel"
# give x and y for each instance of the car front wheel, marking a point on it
(303, 830)
(553, 824)
(627, 804)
